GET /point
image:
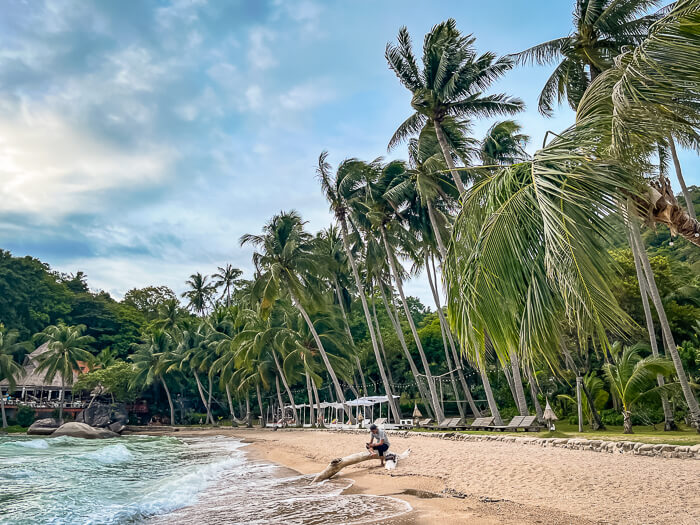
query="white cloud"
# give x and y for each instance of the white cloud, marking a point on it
(254, 97)
(305, 96)
(50, 168)
(260, 55)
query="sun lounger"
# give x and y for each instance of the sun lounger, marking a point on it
(450, 423)
(427, 422)
(512, 426)
(530, 424)
(380, 421)
(481, 423)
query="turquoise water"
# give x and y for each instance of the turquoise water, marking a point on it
(144, 479)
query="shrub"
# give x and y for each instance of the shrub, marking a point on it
(25, 416)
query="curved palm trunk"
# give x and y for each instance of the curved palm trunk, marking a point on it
(60, 401)
(286, 388)
(279, 396)
(669, 423)
(597, 422)
(436, 231)
(310, 397)
(393, 317)
(533, 394)
(209, 414)
(260, 405)
(399, 287)
(442, 140)
(446, 327)
(679, 173)
(339, 295)
(490, 399)
(230, 404)
(324, 357)
(518, 384)
(201, 395)
(170, 401)
(2, 409)
(319, 410)
(666, 328)
(380, 339)
(368, 319)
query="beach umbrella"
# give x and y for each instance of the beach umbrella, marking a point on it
(416, 412)
(549, 416)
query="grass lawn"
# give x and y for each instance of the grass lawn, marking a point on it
(643, 434)
(14, 429)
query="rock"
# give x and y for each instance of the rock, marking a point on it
(117, 427)
(97, 415)
(120, 414)
(43, 427)
(81, 430)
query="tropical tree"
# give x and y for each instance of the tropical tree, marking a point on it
(200, 293)
(596, 388)
(66, 348)
(504, 144)
(449, 89)
(286, 265)
(9, 368)
(631, 379)
(151, 363)
(226, 278)
(602, 29)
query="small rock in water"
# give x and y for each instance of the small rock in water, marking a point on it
(81, 430)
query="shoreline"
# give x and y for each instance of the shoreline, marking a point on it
(489, 482)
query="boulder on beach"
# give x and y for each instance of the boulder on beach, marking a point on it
(81, 430)
(96, 415)
(117, 427)
(43, 427)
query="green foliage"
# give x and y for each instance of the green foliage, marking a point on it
(116, 379)
(25, 416)
(148, 300)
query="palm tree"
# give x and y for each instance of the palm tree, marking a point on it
(228, 277)
(152, 359)
(602, 28)
(632, 378)
(600, 396)
(449, 89)
(200, 293)
(9, 368)
(504, 144)
(337, 191)
(286, 265)
(66, 346)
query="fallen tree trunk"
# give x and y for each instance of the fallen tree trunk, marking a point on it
(338, 464)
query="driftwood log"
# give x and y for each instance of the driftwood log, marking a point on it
(338, 464)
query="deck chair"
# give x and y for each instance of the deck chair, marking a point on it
(455, 423)
(510, 427)
(427, 422)
(481, 423)
(380, 421)
(530, 424)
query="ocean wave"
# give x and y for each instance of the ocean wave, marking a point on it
(27, 443)
(111, 454)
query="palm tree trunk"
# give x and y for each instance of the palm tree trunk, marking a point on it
(368, 319)
(279, 396)
(679, 173)
(260, 405)
(440, 134)
(509, 380)
(230, 404)
(248, 418)
(319, 411)
(453, 382)
(170, 401)
(339, 295)
(533, 393)
(201, 394)
(666, 328)
(436, 231)
(324, 357)
(425, 396)
(209, 411)
(380, 339)
(310, 396)
(493, 407)
(399, 287)
(518, 383)
(597, 422)
(669, 423)
(2, 409)
(287, 389)
(627, 422)
(60, 401)
(443, 321)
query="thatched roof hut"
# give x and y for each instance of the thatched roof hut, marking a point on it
(32, 379)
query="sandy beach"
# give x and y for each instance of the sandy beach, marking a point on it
(496, 482)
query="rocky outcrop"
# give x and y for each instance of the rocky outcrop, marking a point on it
(101, 415)
(81, 430)
(43, 427)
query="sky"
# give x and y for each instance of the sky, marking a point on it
(140, 140)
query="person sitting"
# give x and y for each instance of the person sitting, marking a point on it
(382, 442)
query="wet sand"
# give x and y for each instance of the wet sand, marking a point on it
(486, 482)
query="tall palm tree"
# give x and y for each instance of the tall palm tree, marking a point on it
(200, 293)
(66, 346)
(152, 360)
(602, 28)
(286, 265)
(449, 88)
(337, 189)
(228, 278)
(632, 378)
(9, 368)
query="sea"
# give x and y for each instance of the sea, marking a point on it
(166, 480)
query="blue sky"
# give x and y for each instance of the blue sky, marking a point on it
(140, 140)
